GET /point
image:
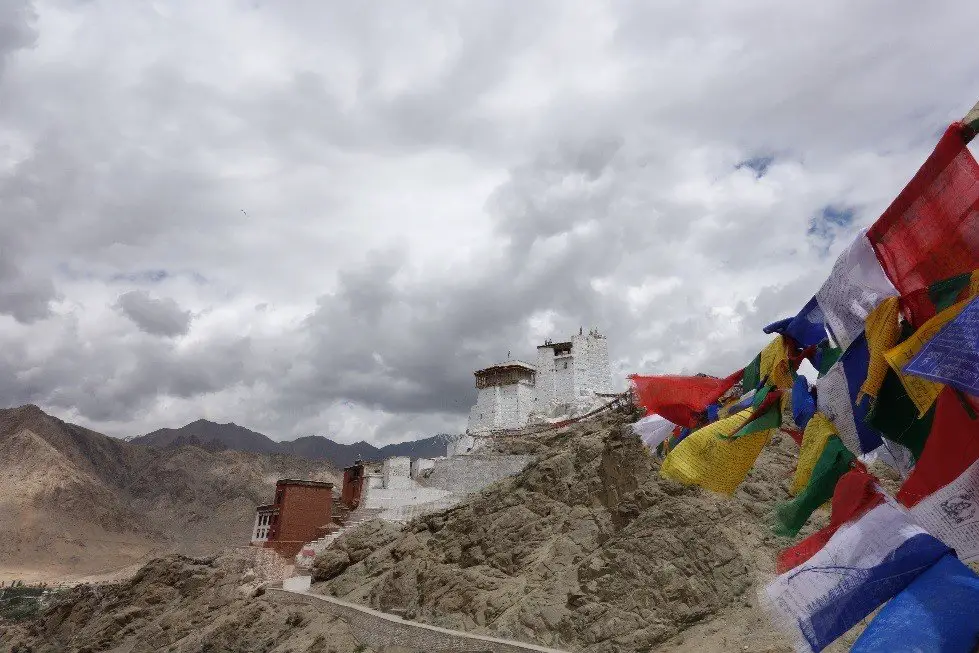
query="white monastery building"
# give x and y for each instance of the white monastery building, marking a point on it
(566, 380)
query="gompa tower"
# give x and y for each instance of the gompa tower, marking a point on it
(565, 381)
(570, 373)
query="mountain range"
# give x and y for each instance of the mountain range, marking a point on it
(214, 436)
(80, 504)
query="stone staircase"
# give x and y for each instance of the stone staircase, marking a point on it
(350, 519)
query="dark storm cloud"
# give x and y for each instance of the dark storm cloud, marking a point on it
(359, 208)
(160, 317)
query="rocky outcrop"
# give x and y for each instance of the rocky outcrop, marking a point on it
(181, 604)
(586, 549)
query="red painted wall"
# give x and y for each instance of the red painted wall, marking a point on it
(304, 506)
(353, 483)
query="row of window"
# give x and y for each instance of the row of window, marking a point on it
(266, 519)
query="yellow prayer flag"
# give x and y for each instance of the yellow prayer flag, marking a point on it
(818, 432)
(775, 364)
(922, 391)
(883, 331)
(708, 458)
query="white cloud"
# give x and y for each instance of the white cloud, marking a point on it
(426, 188)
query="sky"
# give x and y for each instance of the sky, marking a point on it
(315, 217)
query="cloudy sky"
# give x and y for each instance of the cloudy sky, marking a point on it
(320, 217)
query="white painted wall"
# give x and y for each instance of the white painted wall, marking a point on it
(419, 465)
(396, 472)
(502, 407)
(544, 391)
(572, 380)
(261, 527)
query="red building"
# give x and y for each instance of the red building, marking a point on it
(302, 512)
(353, 485)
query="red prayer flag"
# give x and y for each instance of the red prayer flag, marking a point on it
(680, 399)
(931, 230)
(951, 448)
(856, 493)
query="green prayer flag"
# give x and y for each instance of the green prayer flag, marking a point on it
(834, 462)
(829, 356)
(943, 293)
(759, 397)
(752, 375)
(895, 414)
(771, 419)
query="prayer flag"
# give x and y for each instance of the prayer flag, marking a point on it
(836, 397)
(803, 405)
(856, 492)
(864, 563)
(680, 399)
(855, 287)
(818, 432)
(774, 364)
(922, 391)
(711, 458)
(936, 612)
(653, 430)
(943, 488)
(896, 417)
(834, 462)
(931, 229)
(883, 332)
(806, 328)
(952, 355)
(921, 305)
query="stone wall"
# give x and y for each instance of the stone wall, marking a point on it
(467, 474)
(564, 380)
(398, 493)
(381, 631)
(419, 465)
(397, 472)
(593, 372)
(482, 416)
(544, 389)
(462, 444)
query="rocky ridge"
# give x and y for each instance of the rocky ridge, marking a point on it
(588, 549)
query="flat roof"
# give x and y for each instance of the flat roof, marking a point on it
(269, 507)
(556, 344)
(507, 365)
(297, 481)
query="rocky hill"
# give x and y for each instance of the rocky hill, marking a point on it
(211, 435)
(86, 504)
(183, 605)
(588, 549)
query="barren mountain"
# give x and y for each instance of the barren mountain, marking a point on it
(87, 504)
(211, 435)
